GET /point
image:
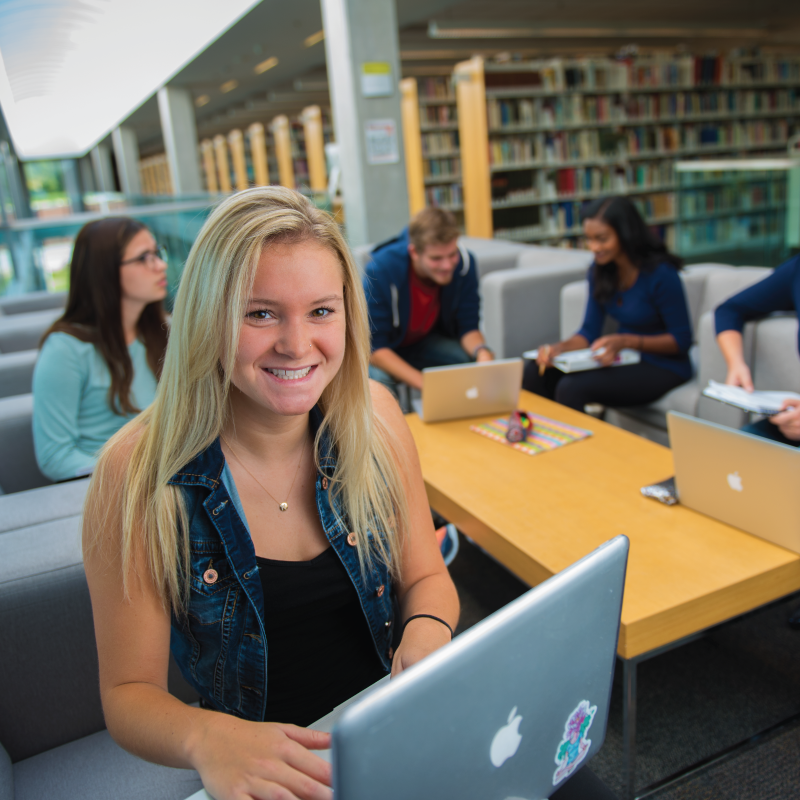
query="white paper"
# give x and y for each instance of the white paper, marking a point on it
(759, 402)
(376, 79)
(382, 145)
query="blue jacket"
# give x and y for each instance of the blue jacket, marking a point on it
(655, 304)
(386, 285)
(777, 292)
(219, 644)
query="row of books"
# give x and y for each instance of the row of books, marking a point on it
(436, 88)
(563, 146)
(605, 74)
(449, 195)
(656, 206)
(438, 115)
(619, 109)
(748, 197)
(674, 137)
(440, 143)
(727, 232)
(434, 168)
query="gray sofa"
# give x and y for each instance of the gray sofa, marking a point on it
(24, 331)
(53, 742)
(521, 305)
(18, 468)
(770, 350)
(16, 372)
(32, 301)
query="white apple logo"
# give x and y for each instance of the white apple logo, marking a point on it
(735, 482)
(472, 393)
(506, 740)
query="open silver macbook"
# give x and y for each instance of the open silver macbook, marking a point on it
(744, 480)
(469, 390)
(510, 709)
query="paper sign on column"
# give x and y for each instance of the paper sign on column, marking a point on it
(376, 79)
(382, 146)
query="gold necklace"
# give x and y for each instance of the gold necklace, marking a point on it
(284, 506)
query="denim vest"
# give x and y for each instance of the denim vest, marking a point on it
(219, 644)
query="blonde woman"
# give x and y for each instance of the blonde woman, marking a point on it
(261, 516)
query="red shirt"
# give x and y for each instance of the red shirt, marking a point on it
(425, 306)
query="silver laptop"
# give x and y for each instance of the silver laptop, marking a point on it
(510, 709)
(744, 480)
(469, 390)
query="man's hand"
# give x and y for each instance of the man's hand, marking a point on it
(484, 355)
(739, 375)
(788, 420)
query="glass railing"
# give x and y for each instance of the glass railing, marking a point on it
(35, 252)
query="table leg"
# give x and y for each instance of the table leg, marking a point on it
(629, 728)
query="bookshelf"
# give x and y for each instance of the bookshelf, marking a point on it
(432, 143)
(736, 211)
(562, 131)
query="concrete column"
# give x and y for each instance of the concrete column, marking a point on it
(87, 179)
(70, 168)
(126, 151)
(178, 127)
(103, 171)
(362, 52)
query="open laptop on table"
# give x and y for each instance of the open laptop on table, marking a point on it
(510, 709)
(469, 390)
(740, 479)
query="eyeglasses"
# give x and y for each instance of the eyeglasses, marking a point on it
(148, 258)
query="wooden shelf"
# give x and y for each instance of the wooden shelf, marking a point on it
(524, 92)
(522, 202)
(644, 122)
(654, 155)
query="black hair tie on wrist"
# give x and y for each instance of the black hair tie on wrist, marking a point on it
(426, 616)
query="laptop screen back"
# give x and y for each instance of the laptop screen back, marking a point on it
(740, 479)
(511, 708)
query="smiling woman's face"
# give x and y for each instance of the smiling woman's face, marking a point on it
(602, 240)
(293, 334)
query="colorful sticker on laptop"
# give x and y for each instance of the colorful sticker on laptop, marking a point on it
(574, 745)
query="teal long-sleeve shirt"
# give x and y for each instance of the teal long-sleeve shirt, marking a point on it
(72, 419)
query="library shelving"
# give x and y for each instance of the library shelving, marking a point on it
(562, 131)
(430, 122)
(737, 211)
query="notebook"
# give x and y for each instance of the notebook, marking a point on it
(469, 390)
(740, 479)
(511, 708)
(582, 360)
(758, 402)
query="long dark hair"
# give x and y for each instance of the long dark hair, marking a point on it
(645, 250)
(94, 306)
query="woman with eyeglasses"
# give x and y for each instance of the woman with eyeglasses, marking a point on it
(100, 362)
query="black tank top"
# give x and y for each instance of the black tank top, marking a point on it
(319, 647)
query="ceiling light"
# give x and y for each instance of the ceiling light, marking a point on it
(48, 64)
(265, 65)
(202, 100)
(474, 30)
(228, 86)
(315, 38)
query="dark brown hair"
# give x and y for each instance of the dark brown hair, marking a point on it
(432, 226)
(94, 306)
(645, 250)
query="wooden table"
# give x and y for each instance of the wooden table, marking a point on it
(538, 514)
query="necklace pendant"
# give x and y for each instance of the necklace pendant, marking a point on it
(284, 506)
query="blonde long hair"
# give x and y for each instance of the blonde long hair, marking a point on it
(191, 403)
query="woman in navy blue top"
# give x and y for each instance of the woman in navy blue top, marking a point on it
(634, 279)
(779, 292)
